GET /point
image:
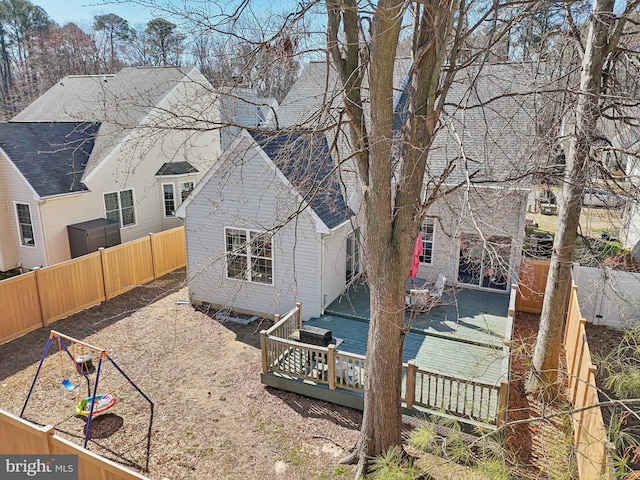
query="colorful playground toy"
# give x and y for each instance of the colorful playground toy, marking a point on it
(102, 403)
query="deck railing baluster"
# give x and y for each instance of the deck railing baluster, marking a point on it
(460, 397)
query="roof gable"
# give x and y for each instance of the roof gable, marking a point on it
(120, 102)
(304, 159)
(51, 156)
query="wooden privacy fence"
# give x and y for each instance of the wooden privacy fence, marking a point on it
(590, 436)
(533, 281)
(40, 297)
(466, 399)
(20, 437)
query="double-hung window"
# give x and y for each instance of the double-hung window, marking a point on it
(25, 226)
(119, 206)
(169, 199)
(426, 232)
(185, 190)
(249, 255)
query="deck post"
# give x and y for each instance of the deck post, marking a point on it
(503, 398)
(410, 390)
(512, 300)
(299, 307)
(331, 363)
(263, 349)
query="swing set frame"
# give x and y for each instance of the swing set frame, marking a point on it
(102, 355)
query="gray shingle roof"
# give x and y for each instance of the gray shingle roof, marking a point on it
(305, 160)
(492, 115)
(495, 120)
(176, 168)
(118, 101)
(316, 94)
(51, 156)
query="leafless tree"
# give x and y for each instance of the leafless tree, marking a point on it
(605, 30)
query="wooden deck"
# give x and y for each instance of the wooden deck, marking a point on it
(456, 358)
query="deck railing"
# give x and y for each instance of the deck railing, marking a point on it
(283, 327)
(435, 391)
(468, 399)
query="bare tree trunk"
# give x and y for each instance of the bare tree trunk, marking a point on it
(544, 370)
(393, 211)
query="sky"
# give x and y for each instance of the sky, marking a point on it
(82, 12)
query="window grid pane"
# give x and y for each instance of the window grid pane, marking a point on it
(236, 266)
(112, 206)
(128, 216)
(427, 241)
(126, 198)
(185, 190)
(236, 241)
(261, 270)
(249, 255)
(169, 202)
(24, 222)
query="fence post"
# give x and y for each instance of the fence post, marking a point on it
(153, 255)
(46, 433)
(263, 349)
(105, 275)
(331, 363)
(575, 371)
(39, 293)
(299, 307)
(410, 388)
(570, 312)
(503, 402)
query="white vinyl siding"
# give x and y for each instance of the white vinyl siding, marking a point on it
(255, 195)
(334, 268)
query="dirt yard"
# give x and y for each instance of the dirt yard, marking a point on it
(213, 418)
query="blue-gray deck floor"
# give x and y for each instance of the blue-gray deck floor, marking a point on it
(463, 336)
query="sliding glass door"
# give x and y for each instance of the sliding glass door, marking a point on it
(484, 263)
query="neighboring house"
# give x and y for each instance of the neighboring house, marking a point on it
(268, 226)
(627, 145)
(487, 138)
(242, 107)
(147, 135)
(40, 163)
(474, 235)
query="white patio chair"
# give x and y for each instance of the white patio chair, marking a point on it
(423, 299)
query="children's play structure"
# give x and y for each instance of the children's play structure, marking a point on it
(77, 358)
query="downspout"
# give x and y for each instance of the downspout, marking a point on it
(322, 294)
(516, 251)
